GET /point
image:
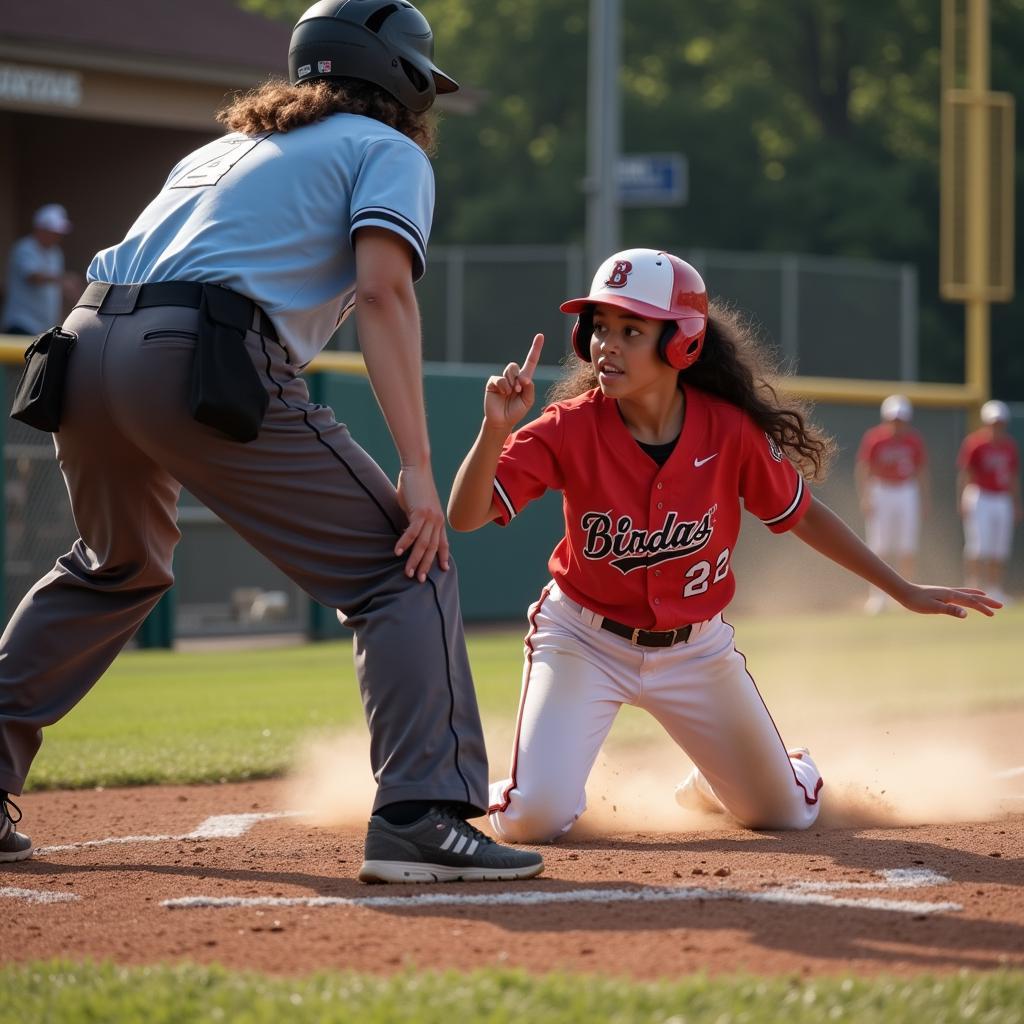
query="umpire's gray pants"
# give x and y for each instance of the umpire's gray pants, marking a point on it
(303, 493)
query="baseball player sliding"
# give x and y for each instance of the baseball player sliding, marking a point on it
(660, 431)
(892, 483)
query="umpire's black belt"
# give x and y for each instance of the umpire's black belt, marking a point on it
(126, 298)
(648, 637)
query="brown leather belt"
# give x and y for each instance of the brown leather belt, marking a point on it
(648, 637)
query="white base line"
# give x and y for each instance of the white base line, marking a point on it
(892, 878)
(799, 894)
(533, 899)
(221, 826)
(35, 896)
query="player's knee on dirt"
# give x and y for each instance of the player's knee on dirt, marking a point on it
(792, 819)
(786, 801)
(538, 820)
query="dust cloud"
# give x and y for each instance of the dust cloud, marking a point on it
(331, 784)
(870, 781)
(911, 773)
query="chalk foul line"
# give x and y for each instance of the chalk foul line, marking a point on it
(35, 895)
(220, 826)
(796, 894)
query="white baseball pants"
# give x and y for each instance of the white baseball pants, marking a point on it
(576, 677)
(988, 523)
(893, 526)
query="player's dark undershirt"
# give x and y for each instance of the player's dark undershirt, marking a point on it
(660, 452)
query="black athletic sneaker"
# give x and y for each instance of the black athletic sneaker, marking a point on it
(13, 845)
(441, 847)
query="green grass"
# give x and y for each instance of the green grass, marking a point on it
(163, 716)
(228, 715)
(897, 664)
(81, 994)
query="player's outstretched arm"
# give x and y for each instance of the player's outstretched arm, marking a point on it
(507, 399)
(824, 531)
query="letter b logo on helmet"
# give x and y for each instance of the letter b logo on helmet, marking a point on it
(385, 42)
(655, 285)
(619, 275)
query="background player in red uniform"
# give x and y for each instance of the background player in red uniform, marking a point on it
(660, 431)
(989, 487)
(892, 483)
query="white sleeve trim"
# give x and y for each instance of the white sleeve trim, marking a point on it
(381, 216)
(794, 505)
(505, 499)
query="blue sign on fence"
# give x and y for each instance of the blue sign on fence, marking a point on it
(653, 179)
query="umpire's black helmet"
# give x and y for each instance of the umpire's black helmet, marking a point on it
(386, 42)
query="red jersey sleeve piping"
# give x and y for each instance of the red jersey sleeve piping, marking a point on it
(779, 523)
(508, 508)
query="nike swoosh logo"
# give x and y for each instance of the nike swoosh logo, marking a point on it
(697, 463)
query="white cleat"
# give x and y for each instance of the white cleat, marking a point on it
(694, 793)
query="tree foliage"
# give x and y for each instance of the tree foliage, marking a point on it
(810, 126)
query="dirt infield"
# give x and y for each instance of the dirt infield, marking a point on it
(134, 876)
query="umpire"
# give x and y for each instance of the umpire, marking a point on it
(191, 337)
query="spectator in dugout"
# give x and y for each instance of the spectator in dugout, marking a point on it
(988, 483)
(35, 275)
(892, 484)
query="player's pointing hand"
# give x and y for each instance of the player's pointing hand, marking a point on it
(509, 397)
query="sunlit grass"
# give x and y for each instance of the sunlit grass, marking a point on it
(161, 716)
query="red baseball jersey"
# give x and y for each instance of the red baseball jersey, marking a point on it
(647, 545)
(991, 463)
(890, 455)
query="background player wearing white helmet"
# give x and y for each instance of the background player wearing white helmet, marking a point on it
(663, 427)
(988, 483)
(892, 484)
(321, 197)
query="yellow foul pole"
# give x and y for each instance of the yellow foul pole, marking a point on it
(977, 306)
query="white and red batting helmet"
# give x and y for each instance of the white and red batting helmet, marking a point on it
(652, 284)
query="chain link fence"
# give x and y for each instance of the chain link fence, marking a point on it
(827, 317)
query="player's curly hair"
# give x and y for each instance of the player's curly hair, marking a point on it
(735, 366)
(279, 106)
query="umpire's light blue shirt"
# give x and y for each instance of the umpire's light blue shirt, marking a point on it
(272, 216)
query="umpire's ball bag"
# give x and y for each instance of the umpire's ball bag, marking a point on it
(226, 391)
(40, 392)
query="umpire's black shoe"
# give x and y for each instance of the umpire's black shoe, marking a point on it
(441, 847)
(13, 845)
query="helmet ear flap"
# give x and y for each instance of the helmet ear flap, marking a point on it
(669, 333)
(582, 332)
(676, 348)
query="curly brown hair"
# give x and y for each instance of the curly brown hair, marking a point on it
(279, 106)
(734, 365)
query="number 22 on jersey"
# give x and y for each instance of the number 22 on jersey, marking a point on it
(699, 574)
